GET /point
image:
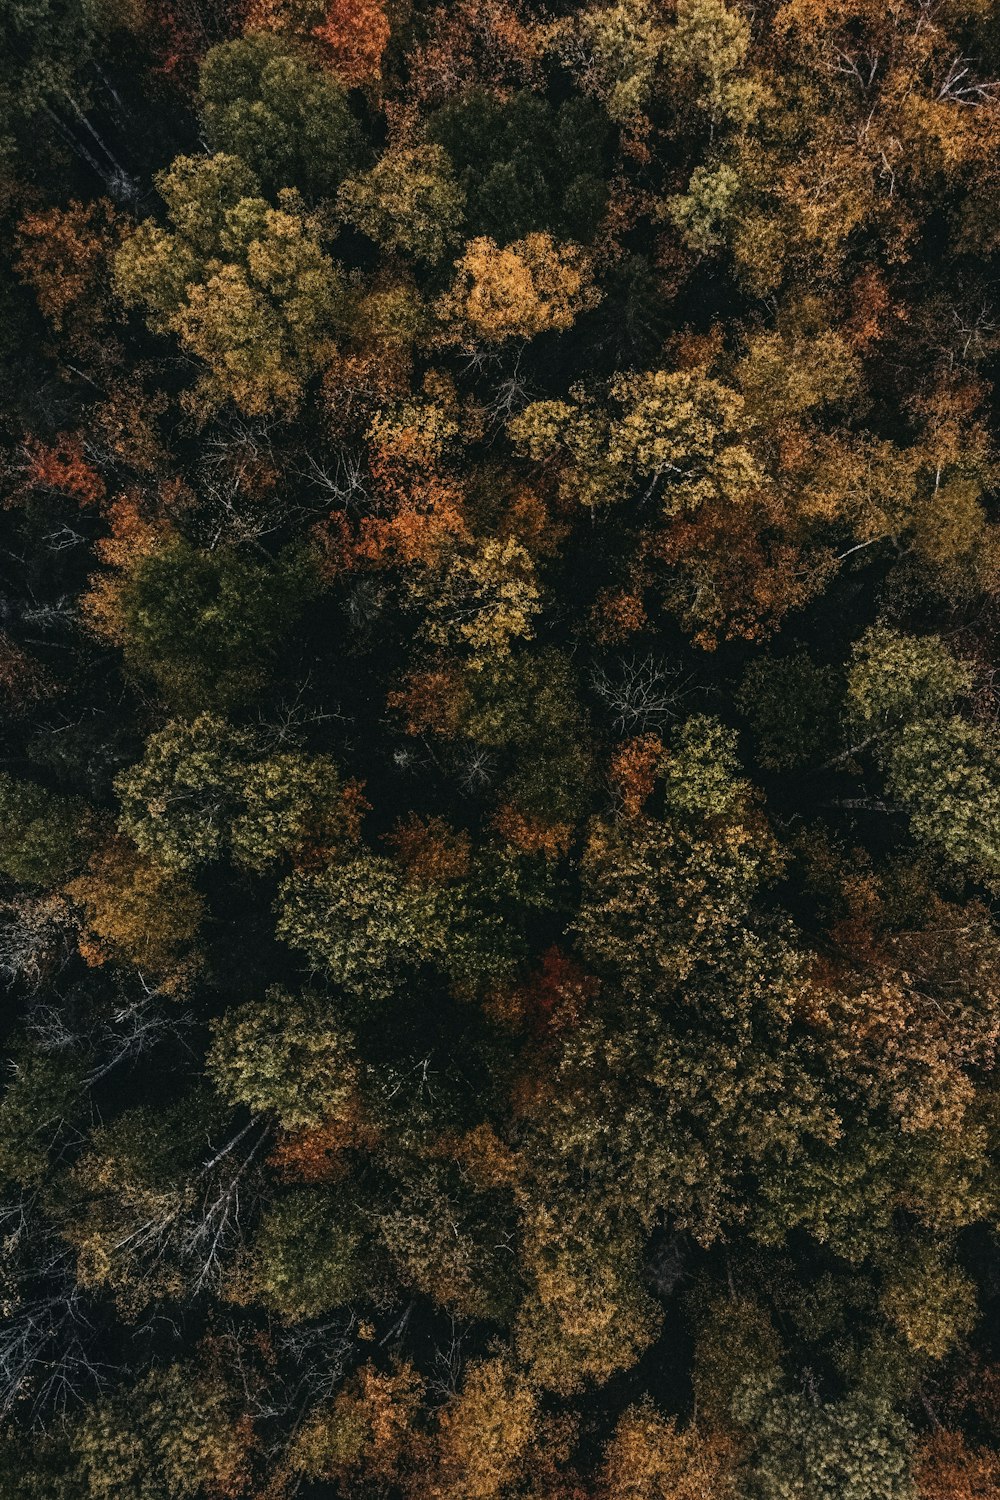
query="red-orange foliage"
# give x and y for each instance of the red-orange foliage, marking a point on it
(532, 835)
(617, 614)
(530, 521)
(354, 35)
(63, 255)
(344, 827)
(949, 1470)
(182, 31)
(429, 520)
(136, 530)
(316, 1153)
(430, 849)
(633, 771)
(555, 997)
(62, 468)
(421, 510)
(490, 42)
(741, 571)
(312, 1155)
(354, 804)
(125, 422)
(135, 533)
(435, 701)
(870, 309)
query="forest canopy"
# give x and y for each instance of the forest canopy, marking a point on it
(500, 787)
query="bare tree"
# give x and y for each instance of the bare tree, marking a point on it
(639, 692)
(47, 1361)
(194, 1225)
(36, 938)
(133, 1026)
(319, 1354)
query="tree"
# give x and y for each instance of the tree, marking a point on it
(617, 52)
(308, 1255)
(702, 213)
(245, 287)
(930, 1301)
(138, 912)
(409, 201)
(176, 1433)
(947, 776)
(204, 791)
(447, 1239)
(896, 679)
(486, 1433)
(64, 255)
(362, 921)
(292, 804)
(356, 32)
(44, 837)
(262, 99)
(681, 434)
(533, 286)
(284, 1055)
(46, 45)
(649, 1456)
(367, 1434)
(178, 800)
(524, 165)
(587, 1314)
(154, 1205)
(483, 598)
(949, 1469)
(708, 49)
(349, 36)
(841, 1448)
(942, 768)
(46, 1094)
(790, 703)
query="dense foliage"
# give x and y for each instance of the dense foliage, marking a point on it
(500, 791)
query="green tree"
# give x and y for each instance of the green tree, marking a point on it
(45, 46)
(361, 921)
(178, 801)
(524, 164)
(309, 1254)
(46, 1095)
(946, 774)
(791, 705)
(284, 1054)
(835, 1450)
(43, 837)
(708, 52)
(677, 434)
(617, 52)
(448, 1240)
(896, 679)
(170, 1438)
(205, 625)
(204, 791)
(703, 212)
(261, 98)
